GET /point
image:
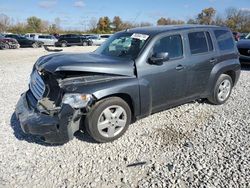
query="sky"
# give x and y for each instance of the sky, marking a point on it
(76, 14)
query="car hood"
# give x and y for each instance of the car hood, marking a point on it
(88, 62)
(244, 43)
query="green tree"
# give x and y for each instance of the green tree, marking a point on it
(117, 23)
(34, 24)
(168, 21)
(206, 16)
(104, 25)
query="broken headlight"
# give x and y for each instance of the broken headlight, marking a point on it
(76, 100)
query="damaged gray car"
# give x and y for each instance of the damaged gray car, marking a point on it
(135, 73)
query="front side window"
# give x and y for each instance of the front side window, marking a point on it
(124, 45)
(170, 44)
(197, 42)
(224, 39)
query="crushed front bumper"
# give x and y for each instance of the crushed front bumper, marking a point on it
(58, 129)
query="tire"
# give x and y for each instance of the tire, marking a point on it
(6, 46)
(85, 44)
(108, 119)
(90, 43)
(63, 44)
(222, 90)
(34, 45)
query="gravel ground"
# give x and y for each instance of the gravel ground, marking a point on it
(194, 145)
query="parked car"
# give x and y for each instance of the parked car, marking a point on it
(24, 42)
(98, 39)
(106, 90)
(30, 35)
(73, 39)
(247, 36)
(244, 50)
(48, 40)
(2, 45)
(8, 43)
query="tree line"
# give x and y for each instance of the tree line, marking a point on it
(236, 19)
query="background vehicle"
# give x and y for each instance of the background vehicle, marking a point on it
(2, 45)
(244, 50)
(98, 39)
(24, 42)
(8, 43)
(72, 39)
(48, 40)
(134, 74)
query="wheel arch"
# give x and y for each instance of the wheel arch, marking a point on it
(127, 98)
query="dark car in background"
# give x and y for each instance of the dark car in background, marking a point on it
(244, 50)
(104, 91)
(73, 40)
(24, 42)
(8, 43)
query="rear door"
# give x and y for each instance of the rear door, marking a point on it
(202, 58)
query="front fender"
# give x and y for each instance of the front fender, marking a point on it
(128, 86)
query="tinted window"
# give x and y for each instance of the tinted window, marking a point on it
(41, 37)
(170, 44)
(197, 42)
(224, 39)
(209, 41)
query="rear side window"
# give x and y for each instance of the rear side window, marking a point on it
(171, 44)
(224, 39)
(197, 42)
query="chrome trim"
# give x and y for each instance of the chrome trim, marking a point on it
(37, 85)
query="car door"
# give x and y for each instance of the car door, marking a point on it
(202, 58)
(166, 81)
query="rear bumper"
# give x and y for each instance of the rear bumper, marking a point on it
(58, 129)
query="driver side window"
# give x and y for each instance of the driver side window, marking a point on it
(170, 44)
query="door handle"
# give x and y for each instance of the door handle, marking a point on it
(213, 60)
(179, 67)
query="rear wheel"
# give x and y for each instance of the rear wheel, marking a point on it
(84, 43)
(108, 120)
(63, 44)
(222, 90)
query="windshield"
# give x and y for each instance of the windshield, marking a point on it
(123, 45)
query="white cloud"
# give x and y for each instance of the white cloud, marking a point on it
(47, 4)
(79, 4)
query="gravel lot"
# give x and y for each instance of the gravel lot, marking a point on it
(194, 145)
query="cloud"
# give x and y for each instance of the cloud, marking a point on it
(245, 9)
(47, 4)
(79, 4)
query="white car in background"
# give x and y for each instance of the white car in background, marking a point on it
(98, 39)
(48, 40)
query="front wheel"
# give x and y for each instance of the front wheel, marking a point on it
(108, 119)
(222, 90)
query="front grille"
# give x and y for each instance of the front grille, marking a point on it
(244, 51)
(36, 85)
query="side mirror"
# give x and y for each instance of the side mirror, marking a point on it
(159, 58)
